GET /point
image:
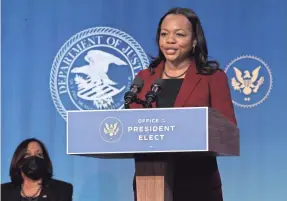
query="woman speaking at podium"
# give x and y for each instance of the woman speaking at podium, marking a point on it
(190, 80)
(31, 174)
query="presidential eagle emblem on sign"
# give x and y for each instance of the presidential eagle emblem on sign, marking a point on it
(111, 129)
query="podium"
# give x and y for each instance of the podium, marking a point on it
(130, 133)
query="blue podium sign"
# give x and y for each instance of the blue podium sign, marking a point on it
(137, 131)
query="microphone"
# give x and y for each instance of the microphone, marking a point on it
(131, 96)
(155, 90)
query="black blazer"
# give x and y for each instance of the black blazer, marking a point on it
(53, 190)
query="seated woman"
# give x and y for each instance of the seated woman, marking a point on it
(31, 174)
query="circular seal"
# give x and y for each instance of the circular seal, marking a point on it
(111, 129)
(94, 69)
(250, 80)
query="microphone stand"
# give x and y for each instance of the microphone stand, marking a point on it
(148, 104)
(137, 100)
(127, 105)
(150, 98)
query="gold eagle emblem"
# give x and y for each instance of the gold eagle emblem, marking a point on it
(111, 129)
(247, 83)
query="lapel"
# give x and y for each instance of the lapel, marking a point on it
(15, 193)
(190, 81)
(46, 194)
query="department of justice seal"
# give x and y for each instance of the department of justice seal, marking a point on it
(94, 69)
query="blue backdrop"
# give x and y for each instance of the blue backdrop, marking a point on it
(45, 43)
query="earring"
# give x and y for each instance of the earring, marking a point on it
(193, 49)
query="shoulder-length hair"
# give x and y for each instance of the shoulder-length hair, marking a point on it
(200, 52)
(19, 154)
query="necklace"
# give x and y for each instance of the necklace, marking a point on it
(33, 196)
(174, 77)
